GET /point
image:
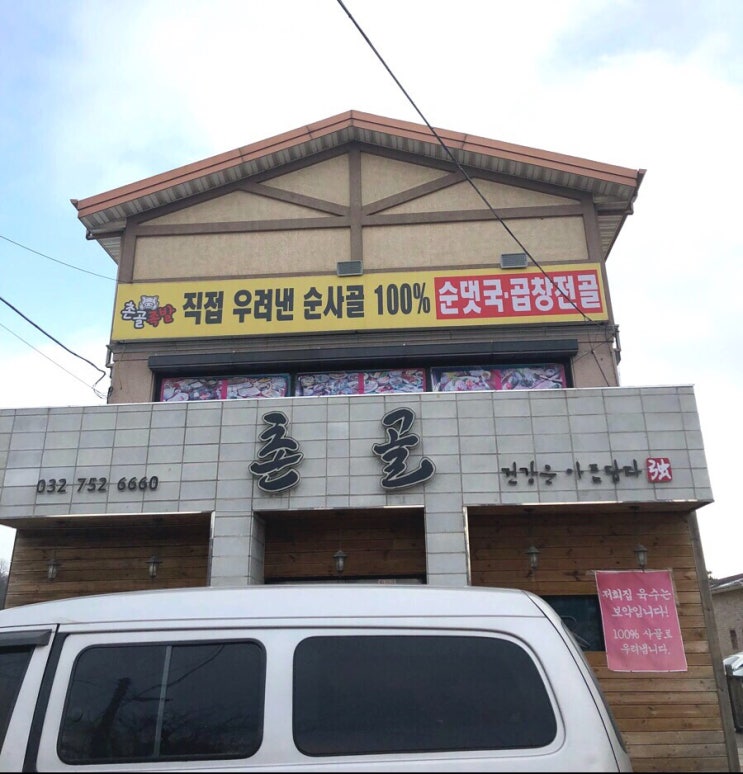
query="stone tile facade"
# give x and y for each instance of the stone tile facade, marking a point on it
(200, 454)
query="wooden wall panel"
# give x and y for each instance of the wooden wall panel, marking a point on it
(378, 543)
(101, 560)
(670, 721)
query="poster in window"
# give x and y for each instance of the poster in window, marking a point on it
(224, 388)
(402, 380)
(332, 383)
(474, 379)
(190, 388)
(259, 386)
(640, 621)
(542, 376)
(362, 382)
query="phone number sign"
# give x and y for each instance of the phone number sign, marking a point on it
(390, 300)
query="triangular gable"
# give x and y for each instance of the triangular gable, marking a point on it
(612, 188)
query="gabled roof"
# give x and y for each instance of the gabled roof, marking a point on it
(613, 188)
(729, 583)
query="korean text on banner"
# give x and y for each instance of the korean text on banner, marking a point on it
(641, 625)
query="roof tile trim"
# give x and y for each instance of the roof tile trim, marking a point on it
(363, 121)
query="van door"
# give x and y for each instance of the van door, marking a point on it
(142, 699)
(22, 657)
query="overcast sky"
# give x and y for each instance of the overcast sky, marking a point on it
(95, 94)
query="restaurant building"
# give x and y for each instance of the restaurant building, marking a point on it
(354, 352)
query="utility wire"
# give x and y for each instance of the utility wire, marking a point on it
(453, 158)
(54, 362)
(56, 341)
(460, 167)
(56, 260)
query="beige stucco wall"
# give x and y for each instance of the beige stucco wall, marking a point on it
(317, 251)
(595, 365)
(132, 381)
(234, 207)
(313, 251)
(326, 180)
(472, 244)
(383, 177)
(464, 197)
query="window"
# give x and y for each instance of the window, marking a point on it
(581, 614)
(164, 702)
(13, 664)
(362, 382)
(224, 388)
(544, 376)
(357, 381)
(395, 694)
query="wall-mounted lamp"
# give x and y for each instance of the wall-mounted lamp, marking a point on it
(339, 557)
(152, 564)
(641, 554)
(533, 553)
(51, 569)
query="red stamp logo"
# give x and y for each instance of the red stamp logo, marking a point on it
(659, 469)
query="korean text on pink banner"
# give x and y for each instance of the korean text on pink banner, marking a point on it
(640, 620)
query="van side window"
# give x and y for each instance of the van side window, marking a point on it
(396, 694)
(13, 664)
(164, 702)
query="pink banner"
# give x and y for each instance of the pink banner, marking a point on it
(640, 620)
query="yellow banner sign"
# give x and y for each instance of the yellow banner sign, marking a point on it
(327, 303)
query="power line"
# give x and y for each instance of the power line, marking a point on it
(48, 335)
(453, 158)
(467, 177)
(56, 341)
(56, 260)
(54, 362)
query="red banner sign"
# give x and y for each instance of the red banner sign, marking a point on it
(640, 620)
(518, 295)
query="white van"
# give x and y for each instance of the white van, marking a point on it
(299, 678)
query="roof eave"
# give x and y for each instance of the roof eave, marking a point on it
(102, 210)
